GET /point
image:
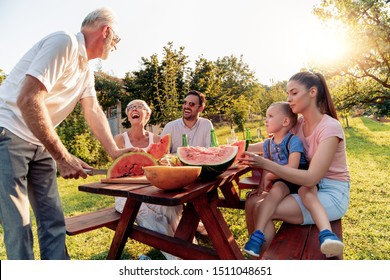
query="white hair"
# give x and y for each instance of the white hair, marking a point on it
(143, 103)
(98, 18)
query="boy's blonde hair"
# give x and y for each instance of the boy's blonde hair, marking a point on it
(286, 110)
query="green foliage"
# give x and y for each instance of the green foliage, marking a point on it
(367, 27)
(108, 88)
(162, 85)
(79, 141)
(2, 76)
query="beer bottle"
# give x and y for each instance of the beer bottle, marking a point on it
(184, 140)
(214, 140)
(248, 138)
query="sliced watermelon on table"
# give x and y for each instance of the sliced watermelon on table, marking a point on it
(130, 164)
(214, 160)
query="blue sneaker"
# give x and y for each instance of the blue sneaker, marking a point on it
(330, 244)
(252, 247)
(144, 257)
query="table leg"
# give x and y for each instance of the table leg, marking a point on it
(215, 224)
(232, 199)
(125, 224)
(188, 223)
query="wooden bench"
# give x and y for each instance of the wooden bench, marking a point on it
(107, 217)
(296, 242)
(249, 182)
(292, 242)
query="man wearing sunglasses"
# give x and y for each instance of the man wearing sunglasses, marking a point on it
(196, 127)
(38, 94)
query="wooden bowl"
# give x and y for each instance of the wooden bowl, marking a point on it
(171, 177)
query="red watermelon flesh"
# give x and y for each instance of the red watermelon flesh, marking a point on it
(241, 149)
(214, 160)
(130, 164)
(158, 150)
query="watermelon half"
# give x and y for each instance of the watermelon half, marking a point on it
(214, 160)
(130, 164)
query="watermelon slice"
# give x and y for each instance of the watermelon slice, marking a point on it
(130, 164)
(158, 150)
(214, 160)
(241, 149)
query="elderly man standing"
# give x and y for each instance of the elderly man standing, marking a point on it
(39, 93)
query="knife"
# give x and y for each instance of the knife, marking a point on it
(94, 171)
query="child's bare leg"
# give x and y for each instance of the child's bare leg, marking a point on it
(330, 244)
(250, 208)
(262, 213)
(265, 210)
(310, 200)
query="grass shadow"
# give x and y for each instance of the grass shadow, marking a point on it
(374, 126)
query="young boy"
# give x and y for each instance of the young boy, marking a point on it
(285, 149)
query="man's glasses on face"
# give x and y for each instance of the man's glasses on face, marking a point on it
(115, 37)
(191, 104)
(136, 107)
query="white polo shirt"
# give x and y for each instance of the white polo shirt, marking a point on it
(198, 135)
(60, 62)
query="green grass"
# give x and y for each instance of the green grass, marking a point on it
(366, 225)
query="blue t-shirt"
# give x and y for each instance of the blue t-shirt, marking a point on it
(280, 153)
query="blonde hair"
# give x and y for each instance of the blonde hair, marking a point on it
(286, 111)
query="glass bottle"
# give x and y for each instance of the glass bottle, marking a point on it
(214, 140)
(184, 140)
(232, 134)
(232, 138)
(248, 138)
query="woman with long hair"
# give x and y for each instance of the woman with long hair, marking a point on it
(324, 143)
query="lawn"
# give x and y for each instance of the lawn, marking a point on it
(366, 226)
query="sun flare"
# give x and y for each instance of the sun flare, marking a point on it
(330, 46)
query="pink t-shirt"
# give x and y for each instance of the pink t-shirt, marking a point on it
(327, 127)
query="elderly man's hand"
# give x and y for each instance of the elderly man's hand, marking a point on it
(71, 167)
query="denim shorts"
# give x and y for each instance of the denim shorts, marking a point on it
(334, 196)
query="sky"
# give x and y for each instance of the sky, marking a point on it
(275, 38)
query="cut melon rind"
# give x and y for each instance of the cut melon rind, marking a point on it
(214, 160)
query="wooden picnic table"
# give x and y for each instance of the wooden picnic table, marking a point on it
(200, 201)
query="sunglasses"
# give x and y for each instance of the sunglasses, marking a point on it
(191, 104)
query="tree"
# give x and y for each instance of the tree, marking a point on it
(367, 25)
(77, 138)
(204, 79)
(174, 84)
(109, 89)
(162, 85)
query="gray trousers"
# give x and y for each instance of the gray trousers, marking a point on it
(28, 177)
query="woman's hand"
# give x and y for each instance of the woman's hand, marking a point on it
(252, 160)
